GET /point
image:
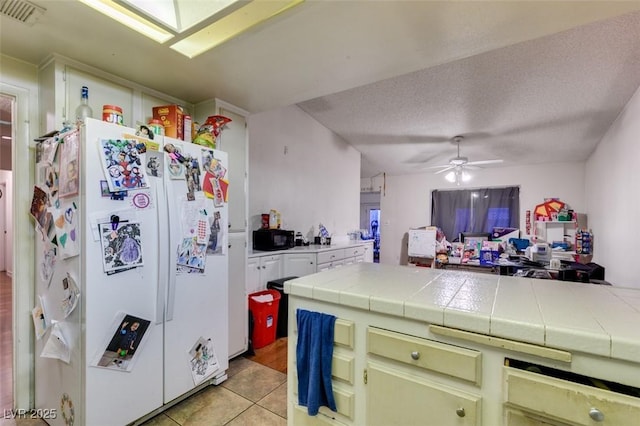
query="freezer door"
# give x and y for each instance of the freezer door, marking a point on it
(196, 327)
(125, 390)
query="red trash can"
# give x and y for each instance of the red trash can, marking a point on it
(264, 309)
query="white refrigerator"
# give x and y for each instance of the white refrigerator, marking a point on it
(156, 258)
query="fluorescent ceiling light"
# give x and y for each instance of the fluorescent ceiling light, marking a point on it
(231, 25)
(130, 19)
(179, 15)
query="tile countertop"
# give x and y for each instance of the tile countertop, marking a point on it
(311, 248)
(594, 319)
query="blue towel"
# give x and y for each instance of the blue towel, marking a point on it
(314, 353)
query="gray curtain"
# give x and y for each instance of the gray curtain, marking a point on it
(475, 210)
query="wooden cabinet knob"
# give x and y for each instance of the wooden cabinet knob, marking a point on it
(460, 412)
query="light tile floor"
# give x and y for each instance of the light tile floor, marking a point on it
(253, 395)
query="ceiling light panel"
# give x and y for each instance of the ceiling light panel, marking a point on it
(232, 25)
(130, 19)
(179, 15)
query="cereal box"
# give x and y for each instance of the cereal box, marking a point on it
(172, 117)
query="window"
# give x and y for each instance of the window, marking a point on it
(475, 210)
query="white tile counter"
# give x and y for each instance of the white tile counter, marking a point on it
(596, 319)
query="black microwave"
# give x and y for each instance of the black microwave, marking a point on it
(273, 239)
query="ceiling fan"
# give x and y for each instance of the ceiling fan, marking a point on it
(458, 165)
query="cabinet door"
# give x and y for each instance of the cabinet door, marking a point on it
(397, 398)
(238, 302)
(368, 252)
(233, 140)
(101, 92)
(253, 275)
(299, 264)
(518, 418)
(270, 269)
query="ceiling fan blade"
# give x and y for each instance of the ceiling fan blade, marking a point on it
(442, 166)
(445, 169)
(476, 163)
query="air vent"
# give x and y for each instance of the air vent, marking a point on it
(21, 10)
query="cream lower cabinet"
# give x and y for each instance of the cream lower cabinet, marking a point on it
(555, 401)
(401, 388)
(403, 372)
(520, 418)
(398, 398)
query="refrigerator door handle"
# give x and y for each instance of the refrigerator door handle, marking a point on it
(173, 249)
(162, 254)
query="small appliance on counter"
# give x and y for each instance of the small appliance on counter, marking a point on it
(300, 240)
(539, 252)
(273, 239)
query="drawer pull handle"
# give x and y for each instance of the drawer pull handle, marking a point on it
(460, 412)
(415, 355)
(596, 415)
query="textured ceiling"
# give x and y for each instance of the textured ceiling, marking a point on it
(394, 78)
(549, 99)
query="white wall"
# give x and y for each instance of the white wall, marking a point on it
(612, 181)
(406, 200)
(303, 170)
(6, 177)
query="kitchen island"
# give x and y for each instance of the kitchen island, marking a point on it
(431, 347)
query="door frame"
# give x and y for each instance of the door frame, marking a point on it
(3, 225)
(24, 124)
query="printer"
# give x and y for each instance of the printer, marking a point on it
(538, 252)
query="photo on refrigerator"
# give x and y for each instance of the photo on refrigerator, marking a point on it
(125, 343)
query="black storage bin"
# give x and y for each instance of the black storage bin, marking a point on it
(283, 308)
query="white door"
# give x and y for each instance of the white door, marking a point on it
(197, 303)
(3, 226)
(233, 140)
(238, 302)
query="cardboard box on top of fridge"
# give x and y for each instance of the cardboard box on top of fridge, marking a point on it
(172, 117)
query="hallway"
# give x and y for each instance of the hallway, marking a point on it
(6, 352)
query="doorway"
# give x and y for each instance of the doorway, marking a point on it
(370, 220)
(6, 246)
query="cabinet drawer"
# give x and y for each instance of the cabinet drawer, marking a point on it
(344, 332)
(434, 356)
(354, 251)
(330, 256)
(571, 402)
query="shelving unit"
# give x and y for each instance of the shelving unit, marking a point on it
(555, 230)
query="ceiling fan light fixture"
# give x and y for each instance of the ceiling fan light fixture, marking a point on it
(458, 176)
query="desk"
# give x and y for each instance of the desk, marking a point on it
(475, 266)
(571, 272)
